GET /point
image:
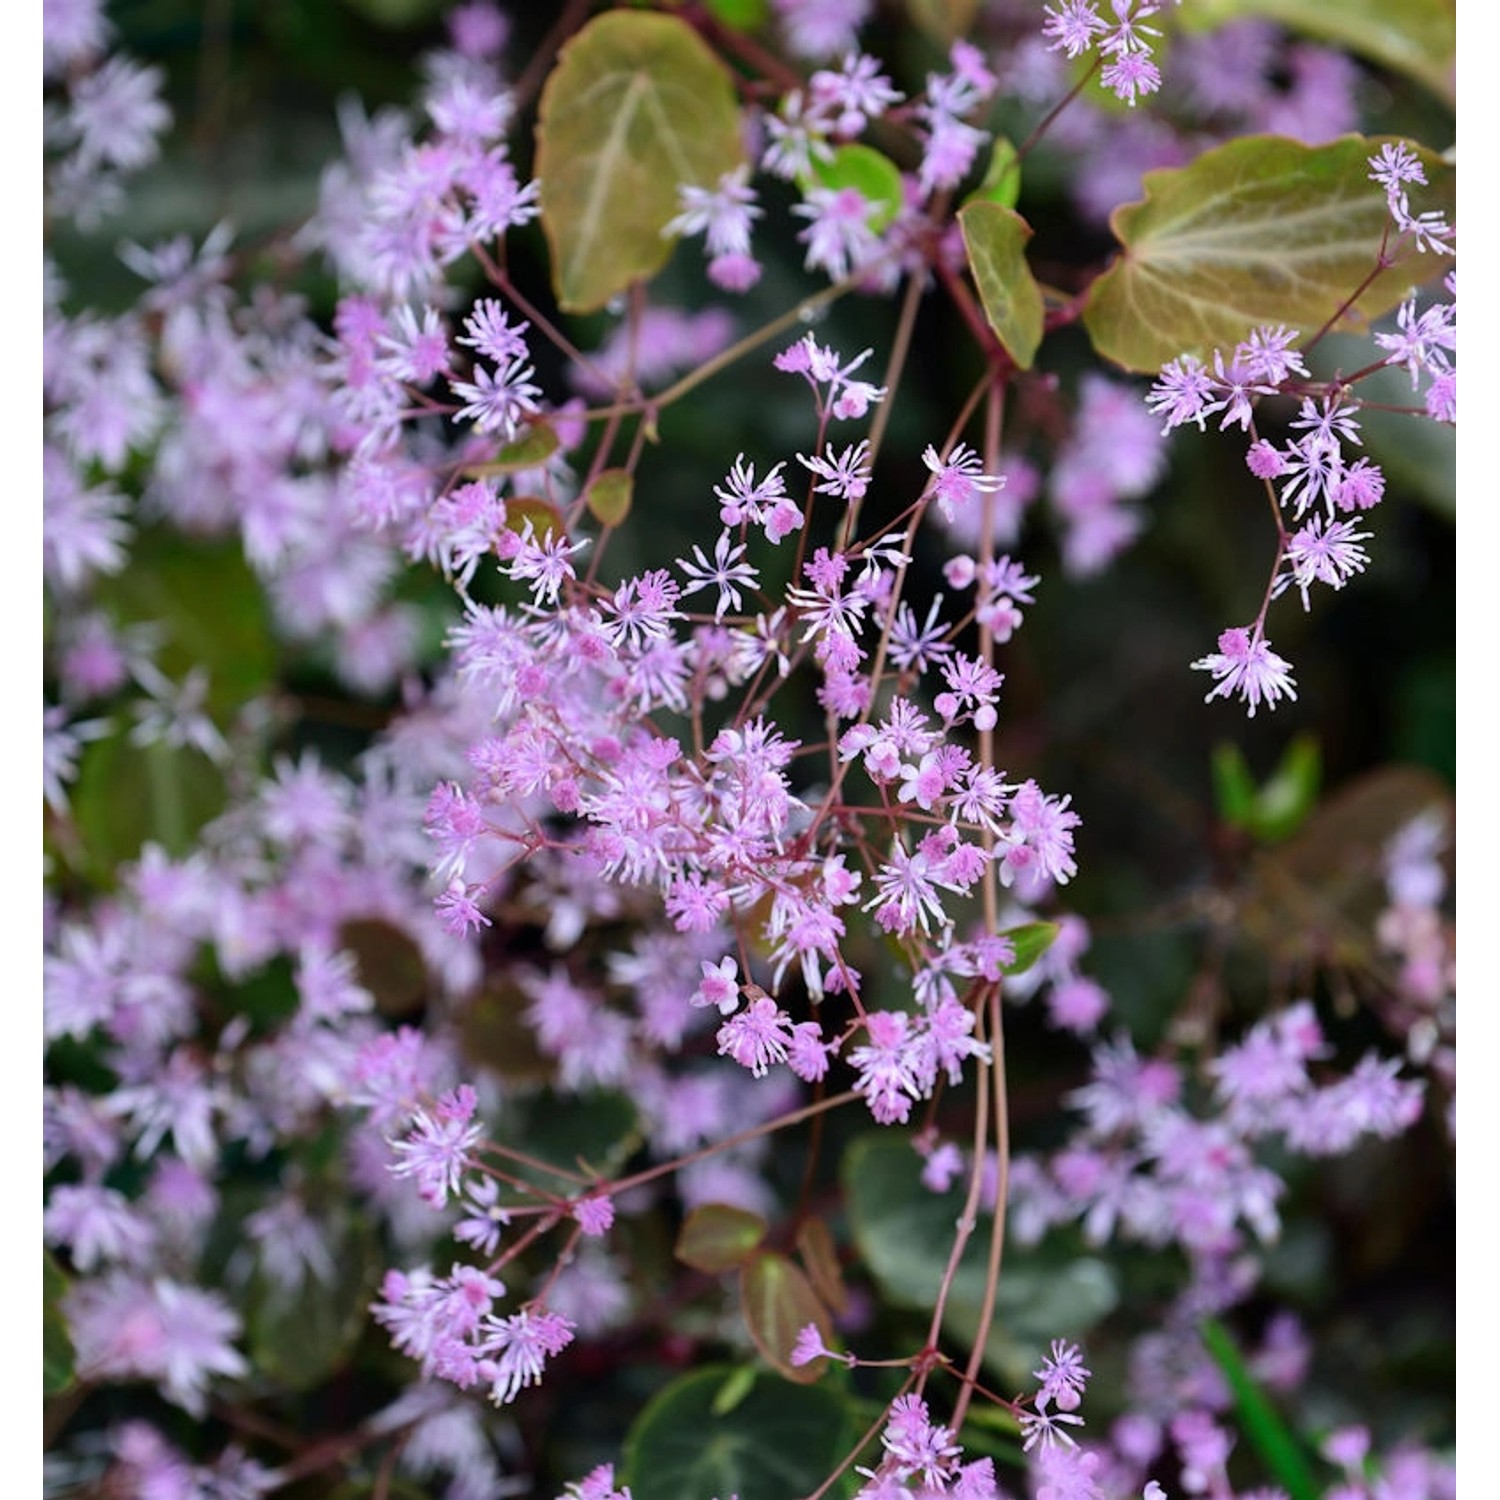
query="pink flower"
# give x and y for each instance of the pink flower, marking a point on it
(1249, 668)
(524, 1343)
(757, 1037)
(810, 1346)
(595, 1214)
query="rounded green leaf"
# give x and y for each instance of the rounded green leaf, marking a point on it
(778, 1303)
(718, 1237)
(874, 176)
(776, 1442)
(1262, 230)
(636, 108)
(608, 497)
(995, 238)
(545, 519)
(529, 451)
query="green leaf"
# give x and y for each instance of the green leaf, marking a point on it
(1417, 453)
(943, 20)
(298, 1339)
(1234, 786)
(529, 451)
(1043, 1295)
(1415, 37)
(128, 795)
(1262, 230)
(382, 1487)
(543, 515)
(1030, 940)
(904, 1233)
(874, 176)
(590, 1133)
(637, 107)
(399, 15)
(1002, 178)
(1291, 793)
(57, 1342)
(210, 609)
(820, 1257)
(778, 1301)
(387, 963)
(493, 1032)
(718, 1237)
(995, 238)
(608, 497)
(742, 15)
(734, 1390)
(1268, 1434)
(778, 1441)
(1277, 809)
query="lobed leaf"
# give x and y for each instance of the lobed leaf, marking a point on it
(636, 107)
(902, 1230)
(995, 237)
(1262, 230)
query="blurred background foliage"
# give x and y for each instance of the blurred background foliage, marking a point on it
(1201, 914)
